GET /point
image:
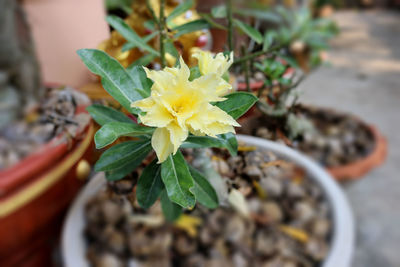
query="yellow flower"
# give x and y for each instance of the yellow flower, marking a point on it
(218, 64)
(178, 106)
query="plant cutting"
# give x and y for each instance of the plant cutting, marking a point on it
(45, 140)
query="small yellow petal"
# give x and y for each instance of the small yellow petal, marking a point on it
(161, 144)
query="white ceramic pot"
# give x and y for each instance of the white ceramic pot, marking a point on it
(342, 243)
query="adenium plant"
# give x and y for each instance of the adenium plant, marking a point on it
(177, 108)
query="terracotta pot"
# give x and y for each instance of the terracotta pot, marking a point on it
(361, 167)
(35, 193)
(342, 240)
(351, 171)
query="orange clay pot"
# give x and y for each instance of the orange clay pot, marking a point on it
(34, 195)
(362, 166)
(350, 171)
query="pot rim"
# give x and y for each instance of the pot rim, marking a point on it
(73, 245)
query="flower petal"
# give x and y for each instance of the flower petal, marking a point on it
(157, 116)
(161, 144)
(177, 135)
(211, 86)
(144, 104)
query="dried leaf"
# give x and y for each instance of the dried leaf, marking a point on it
(189, 224)
(238, 202)
(295, 233)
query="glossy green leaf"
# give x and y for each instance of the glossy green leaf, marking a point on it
(232, 144)
(219, 11)
(117, 174)
(103, 114)
(170, 210)
(248, 30)
(127, 153)
(129, 34)
(149, 185)
(111, 131)
(237, 103)
(180, 9)
(203, 190)
(192, 26)
(115, 79)
(178, 181)
(208, 141)
(140, 79)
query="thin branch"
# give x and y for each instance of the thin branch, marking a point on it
(161, 28)
(230, 24)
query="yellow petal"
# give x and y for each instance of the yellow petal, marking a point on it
(209, 64)
(161, 144)
(156, 116)
(144, 104)
(163, 80)
(211, 87)
(177, 135)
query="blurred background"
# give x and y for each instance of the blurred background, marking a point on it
(361, 76)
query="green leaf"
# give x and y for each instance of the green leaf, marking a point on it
(128, 46)
(208, 141)
(103, 114)
(115, 79)
(268, 39)
(140, 79)
(111, 131)
(212, 22)
(250, 31)
(192, 26)
(203, 190)
(129, 34)
(119, 173)
(194, 73)
(180, 9)
(127, 153)
(149, 185)
(143, 61)
(178, 181)
(237, 103)
(232, 143)
(171, 210)
(171, 49)
(219, 11)
(260, 14)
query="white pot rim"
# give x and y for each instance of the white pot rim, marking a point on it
(342, 244)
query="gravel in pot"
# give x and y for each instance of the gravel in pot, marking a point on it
(283, 220)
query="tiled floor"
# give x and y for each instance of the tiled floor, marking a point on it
(364, 78)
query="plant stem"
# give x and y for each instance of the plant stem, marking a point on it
(230, 24)
(161, 27)
(246, 69)
(256, 54)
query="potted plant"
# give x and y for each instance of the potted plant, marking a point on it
(272, 66)
(179, 111)
(45, 136)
